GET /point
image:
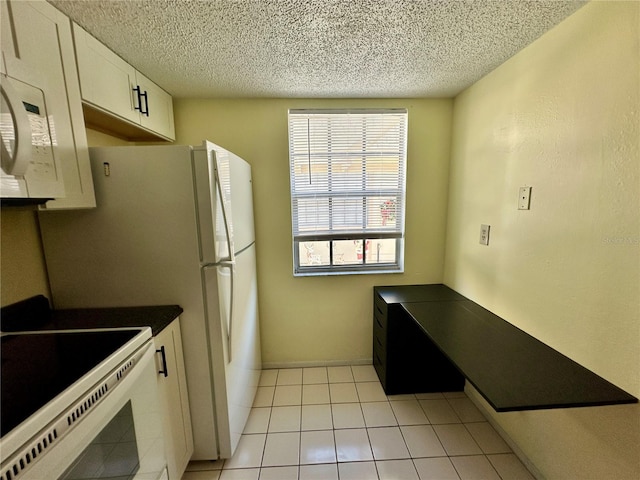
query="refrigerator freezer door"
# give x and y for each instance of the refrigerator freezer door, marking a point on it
(225, 203)
(241, 202)
(211, 179)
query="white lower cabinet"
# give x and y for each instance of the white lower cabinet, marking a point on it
(172, 385)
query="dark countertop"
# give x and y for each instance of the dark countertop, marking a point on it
(510, 368)
(34, 314)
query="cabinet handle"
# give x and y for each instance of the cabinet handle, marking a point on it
(146, 103)
(164, 362)
(138, 106)
(141, 94)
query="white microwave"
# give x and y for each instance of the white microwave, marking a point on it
(29, 173)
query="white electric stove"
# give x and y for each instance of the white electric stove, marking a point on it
(80, 404)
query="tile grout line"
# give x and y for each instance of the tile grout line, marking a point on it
(388, 401)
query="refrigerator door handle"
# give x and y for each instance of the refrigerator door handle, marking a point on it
(225, 215)
(229, 322)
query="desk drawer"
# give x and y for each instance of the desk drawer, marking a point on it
(381, 368)
(380, 330)
(380, 347)
(379, 306)
(380, 321)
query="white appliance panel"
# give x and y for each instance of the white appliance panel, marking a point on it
(138, 247)
(28, 165)
(215, 302)
(214, 209)
(243, 371)
(142, 390)
(147, 243)
(138, 388)
(232, 290)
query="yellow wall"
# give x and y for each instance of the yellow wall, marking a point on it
(23, 272)
(323, 319)
(561, 116)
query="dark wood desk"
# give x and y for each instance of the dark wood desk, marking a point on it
(430, 338)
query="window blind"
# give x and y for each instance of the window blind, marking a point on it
(347, 173)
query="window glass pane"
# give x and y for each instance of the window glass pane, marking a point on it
(381, 251)
(313, 253)
(112, 453)
(347, 252)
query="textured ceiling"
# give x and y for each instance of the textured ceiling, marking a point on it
(316, 48)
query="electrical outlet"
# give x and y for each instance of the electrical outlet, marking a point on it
(484, 234)
(524, 198)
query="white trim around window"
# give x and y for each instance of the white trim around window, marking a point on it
(348, 184)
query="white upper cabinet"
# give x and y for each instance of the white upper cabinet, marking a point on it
(106, 80)
(37, 44)
(159, 108)
(112, 89)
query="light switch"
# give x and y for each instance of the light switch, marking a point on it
(484, 234)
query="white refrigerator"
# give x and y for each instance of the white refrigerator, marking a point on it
(173, 225)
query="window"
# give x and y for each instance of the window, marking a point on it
(347, 190)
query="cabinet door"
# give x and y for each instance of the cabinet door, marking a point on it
(78, 180)
(160, 107)
(106, 80)
(174, 399)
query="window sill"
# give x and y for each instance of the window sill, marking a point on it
(322, 272)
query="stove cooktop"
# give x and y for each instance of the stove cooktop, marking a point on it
(38, 366)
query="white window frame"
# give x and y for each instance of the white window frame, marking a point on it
(323, 143)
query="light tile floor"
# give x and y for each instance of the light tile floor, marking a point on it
(336, 423)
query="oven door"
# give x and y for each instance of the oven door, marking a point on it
(120, 438)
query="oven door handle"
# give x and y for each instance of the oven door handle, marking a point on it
(164, 369)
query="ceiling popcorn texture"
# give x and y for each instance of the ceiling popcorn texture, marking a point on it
(316, 48)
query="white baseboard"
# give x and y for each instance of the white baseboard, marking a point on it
(318, 363)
